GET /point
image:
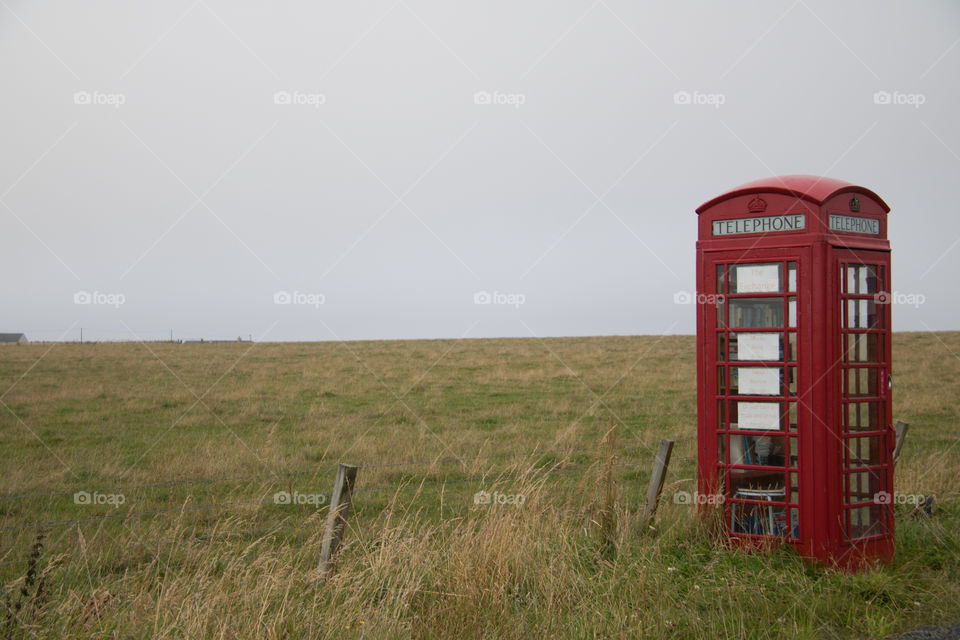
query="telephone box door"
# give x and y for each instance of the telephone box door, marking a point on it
(754, 335)
(864, 389)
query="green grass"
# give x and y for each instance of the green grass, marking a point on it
(198, 438)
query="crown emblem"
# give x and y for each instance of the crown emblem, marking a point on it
(757, 205)
(854, 204)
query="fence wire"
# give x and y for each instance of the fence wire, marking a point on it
(406, 485)
(317, 471)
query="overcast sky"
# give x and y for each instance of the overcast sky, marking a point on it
(185, 165)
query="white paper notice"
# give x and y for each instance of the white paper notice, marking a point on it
(759, 415)
(758, 346)
(758, 381)
(758, 278)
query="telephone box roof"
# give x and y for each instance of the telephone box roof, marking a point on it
(816, 189)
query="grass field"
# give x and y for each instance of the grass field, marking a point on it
(185, 446)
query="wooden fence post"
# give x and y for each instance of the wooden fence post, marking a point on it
(340, 502)
(901, 429)
(660, 464)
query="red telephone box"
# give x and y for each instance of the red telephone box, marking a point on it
(795, 433)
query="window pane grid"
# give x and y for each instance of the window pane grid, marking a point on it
(756, 386)
(862, 406)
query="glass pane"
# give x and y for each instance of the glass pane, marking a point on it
(791, 312)
(792, 276)
(721, 313)
(792, 381)
(756, 347)
(861, 279)
(756, 278)
(756, 381)
(792, 344)
(721, 449)
(766, 451)
(862, 314)
(862, 347)
(850, 286)
(721, 382)
(720, 278)
(792, 416)
(791, 459)
(864, 452)
(862, 382)
(863, 416)
(753, 313)
(761, 416)
(865, 485)
(721, 415)
(759, 519)
(721, 346)
(741, 480)
(867, 521)
(795, 523)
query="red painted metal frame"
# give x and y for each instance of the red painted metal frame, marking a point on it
(818, 252)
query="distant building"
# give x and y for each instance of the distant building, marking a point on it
(13, 338)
